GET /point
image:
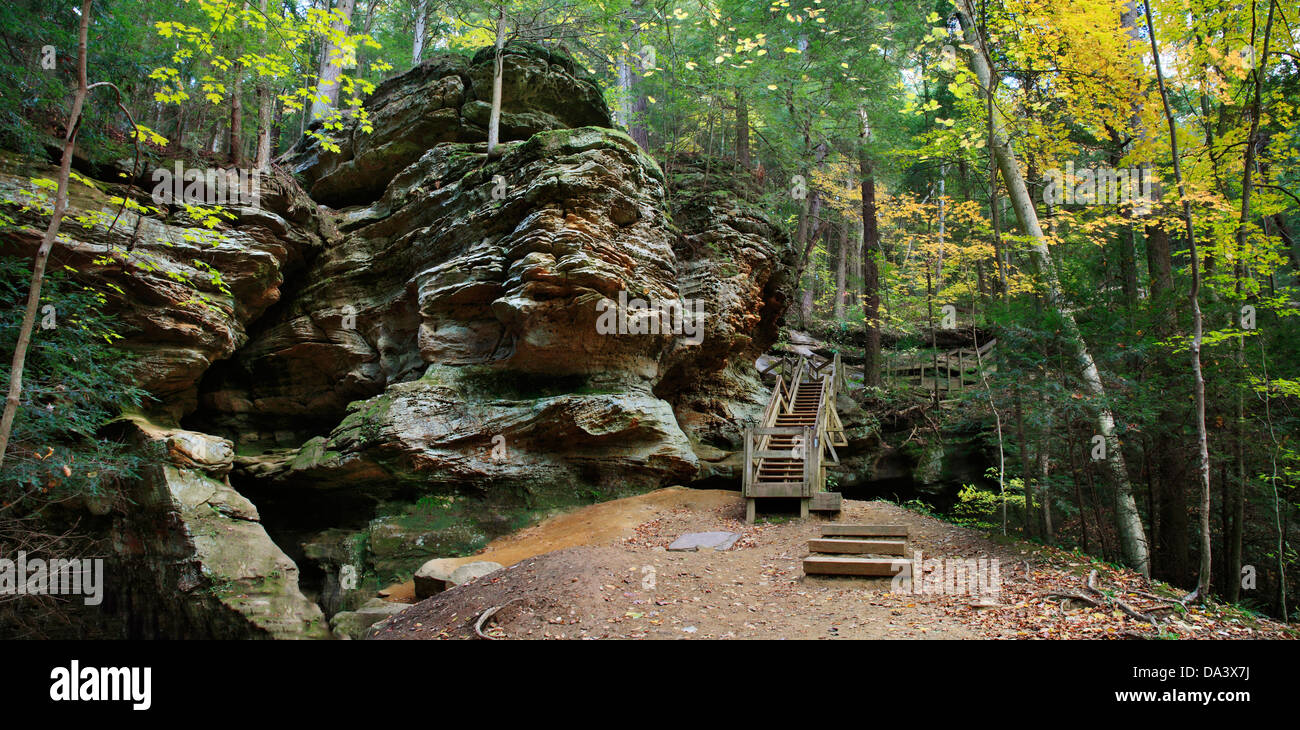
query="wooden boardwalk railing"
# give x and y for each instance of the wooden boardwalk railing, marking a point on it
(953, 370)
(785, 455)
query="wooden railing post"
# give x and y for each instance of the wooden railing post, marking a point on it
(749, 463)
(810, 460)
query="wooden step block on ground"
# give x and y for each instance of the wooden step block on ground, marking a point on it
(879, 567)
(839, 530)
(826, 502)
(854, 546)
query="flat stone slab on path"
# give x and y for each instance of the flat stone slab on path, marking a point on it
(703, 540)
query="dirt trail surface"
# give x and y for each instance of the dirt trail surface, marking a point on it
(596, 524)
(604, 572)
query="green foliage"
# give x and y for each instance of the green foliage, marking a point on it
(917, 505)
(74, 383)
(979, 507)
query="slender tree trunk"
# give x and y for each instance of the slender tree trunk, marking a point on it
(1044, 465)
(808, 297)
(236, 122)
(943, 224)
(14, 397)
(841, 272)
(417, 49)
(494, 119)
(742, 130)
(811, 230)
(638, 127)
(1129, 520)
(855, 265)
(1078, 489)
(265, 122)
(1202, 440)
(1232, 570)
(1025, 472)
(265, 114)
(870, 258)
(623, 112)
(1277, 501)
(331, 67)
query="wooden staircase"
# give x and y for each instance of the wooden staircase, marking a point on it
(863, 550)
(785, 457)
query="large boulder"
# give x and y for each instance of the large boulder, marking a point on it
(194, 558)
(447, 98)
(461, 310)
(439, 574)
(355, 624)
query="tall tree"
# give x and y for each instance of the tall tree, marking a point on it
(1129, 520)
(870, 259)
(1198, 378)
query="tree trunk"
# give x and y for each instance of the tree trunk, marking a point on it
(870, 261)
(1025, 473)
(809, 295)
(331, 68)
(265, 121)
(236, 122)
(1044, 464)
(841, 272)
(742, 130)
(1232, 570)
(637, 128)
(265, 118)
(1129, 521)
(417, 49)
(943, 223)
(1167, 458)
(14, 397)
(494, 120)
(1202, 441)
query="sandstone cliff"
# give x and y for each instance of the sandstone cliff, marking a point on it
(408, 358)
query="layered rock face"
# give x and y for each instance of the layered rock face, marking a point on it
(192, 558)
(157, 272)
(448, 98)
(436, 345)
(731, 255)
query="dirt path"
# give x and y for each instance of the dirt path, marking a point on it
(612, 577)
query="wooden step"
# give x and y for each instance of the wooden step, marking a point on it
(828, 502)
(883, 567)
(842, 546)
(834, 530)
(775, 489)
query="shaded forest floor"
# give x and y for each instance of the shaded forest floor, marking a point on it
(612, 577)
